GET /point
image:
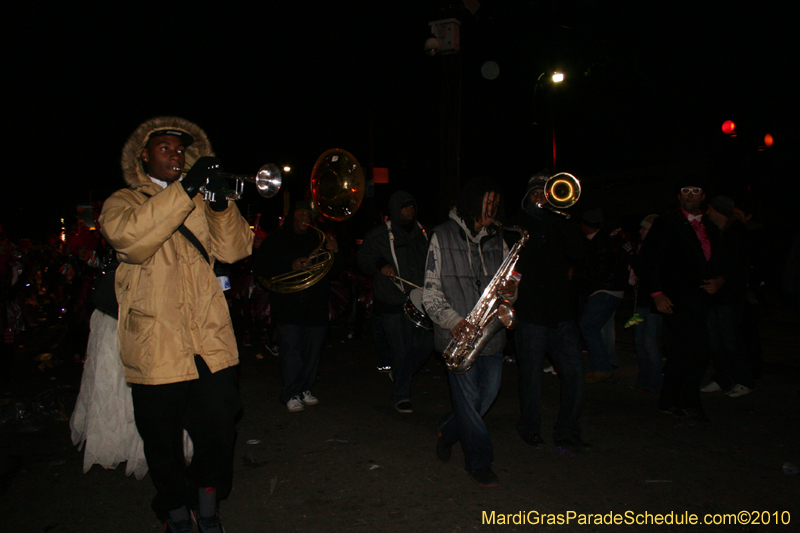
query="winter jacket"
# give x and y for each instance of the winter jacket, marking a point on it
(672, 261)
(547, 294)
(458, 269)
(408, 260)
(307, 307)
(605, 266)
(171, 305)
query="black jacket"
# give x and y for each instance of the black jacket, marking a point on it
(605, 266)
(547, 294)
(310, 306)
(672, 260)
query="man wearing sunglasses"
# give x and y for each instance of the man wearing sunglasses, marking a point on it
(681, 272)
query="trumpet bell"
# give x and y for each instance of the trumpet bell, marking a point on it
(337, 184)
(268, 180)
(562, 190)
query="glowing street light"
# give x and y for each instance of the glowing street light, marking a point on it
(558, 77)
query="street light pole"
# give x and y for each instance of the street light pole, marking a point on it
(557, 77)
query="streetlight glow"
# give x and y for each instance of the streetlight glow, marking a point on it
(558, 77)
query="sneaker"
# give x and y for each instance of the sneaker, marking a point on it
(443, 449)
(272, 349)
(309, 398)
(550, 370)
(484, 477)
(696, 413)
(739, 390)
(597, 377)
(295, 404)
(574, 443)
(403, 406)
(177, 526)
(711, 386)
(533, 440)
(209, 524)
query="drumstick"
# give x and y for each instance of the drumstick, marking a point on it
(406, 281)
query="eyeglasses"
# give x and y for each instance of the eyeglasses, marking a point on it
(693, 190)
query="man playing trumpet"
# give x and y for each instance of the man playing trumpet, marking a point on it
(175, 334)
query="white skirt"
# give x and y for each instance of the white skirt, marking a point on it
(103, 416)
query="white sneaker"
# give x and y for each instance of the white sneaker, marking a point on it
(738, 390)
(309, 398)
(712, 386)
(273, 349)
(294, 405)
(550, 370)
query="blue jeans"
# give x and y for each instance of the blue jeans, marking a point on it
(597, 312)
(298, 357)
(472, 394)
(381, 344)
(647, 338)
(562, 342)
(410, 348)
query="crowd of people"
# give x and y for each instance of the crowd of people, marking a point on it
(159, 386)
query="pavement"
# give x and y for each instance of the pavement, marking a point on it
(352, 463)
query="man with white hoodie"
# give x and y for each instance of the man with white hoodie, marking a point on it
(464, 254)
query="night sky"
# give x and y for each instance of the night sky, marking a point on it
(646, 91)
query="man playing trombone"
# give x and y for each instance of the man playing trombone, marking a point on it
(547, 310)
(175, 334)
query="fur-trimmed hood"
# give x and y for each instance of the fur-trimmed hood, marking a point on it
(132, 169)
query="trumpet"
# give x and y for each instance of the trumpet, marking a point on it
(561, 190)
(268, 182)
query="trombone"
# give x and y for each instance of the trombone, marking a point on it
(561, 191)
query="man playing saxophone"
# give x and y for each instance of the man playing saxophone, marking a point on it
(464, 254)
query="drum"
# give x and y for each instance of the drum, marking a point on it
(415, 312)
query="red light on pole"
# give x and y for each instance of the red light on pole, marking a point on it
(768, 140)
(728, 127)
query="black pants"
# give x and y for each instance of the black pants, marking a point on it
(689, 356)
(206, 408)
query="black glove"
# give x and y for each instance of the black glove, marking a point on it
(220, 187)
(202, 170)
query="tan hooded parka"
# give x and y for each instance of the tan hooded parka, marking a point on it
(171, 305)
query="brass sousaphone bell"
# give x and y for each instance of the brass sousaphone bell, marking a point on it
(337, 184)
(337, 188)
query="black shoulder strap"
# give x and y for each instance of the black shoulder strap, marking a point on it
(186, 232)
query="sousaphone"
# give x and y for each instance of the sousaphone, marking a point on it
(337, 189)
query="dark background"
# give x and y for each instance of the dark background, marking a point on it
(647, 89)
